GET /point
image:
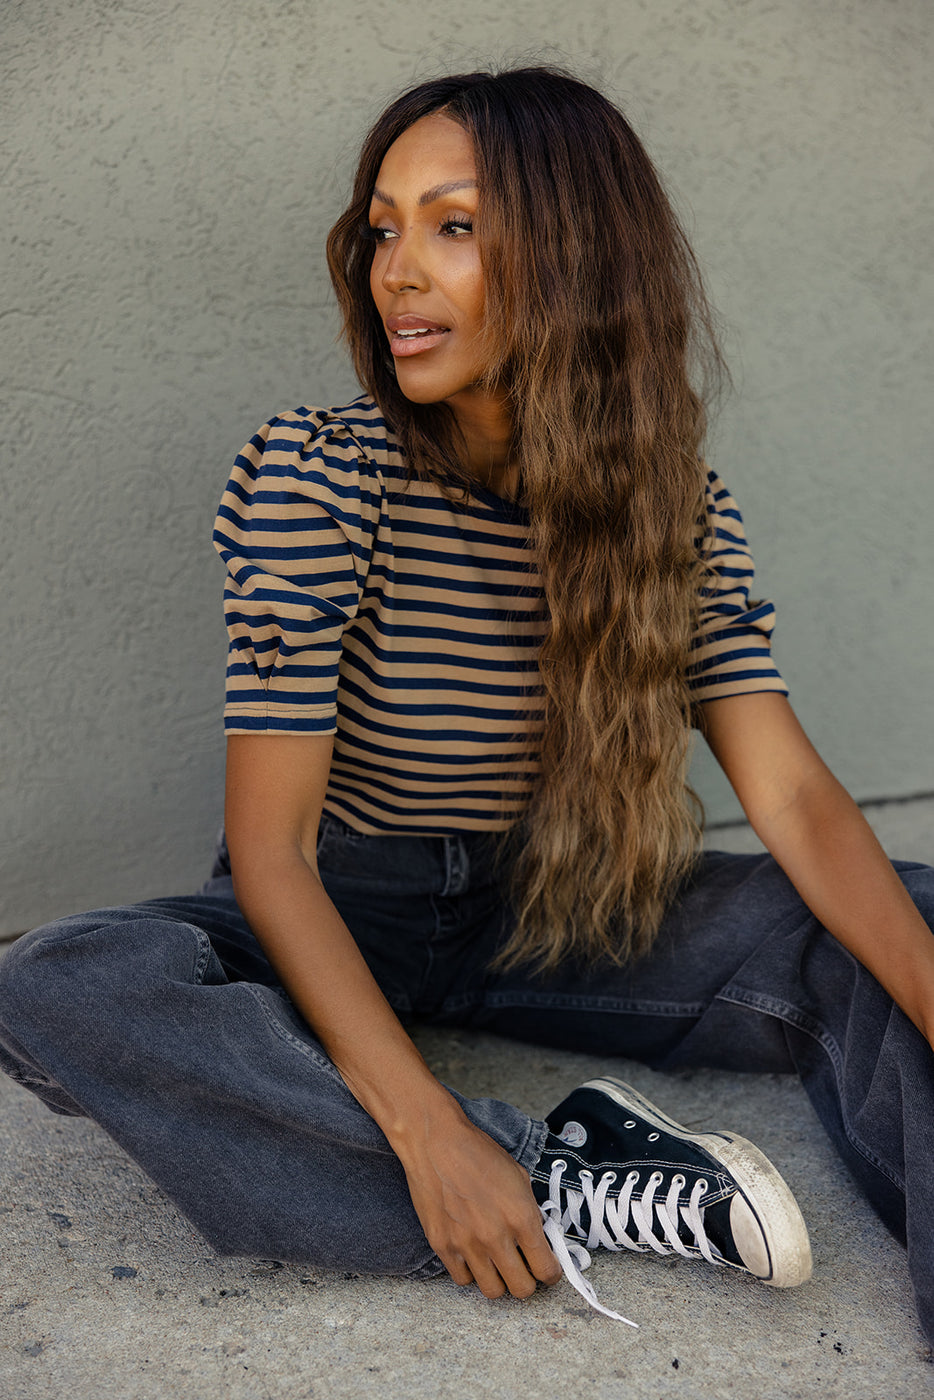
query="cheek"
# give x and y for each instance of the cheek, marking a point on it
(472, 296)
(375, 282)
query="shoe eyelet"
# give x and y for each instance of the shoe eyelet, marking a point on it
(653, 1137)
(584, 1171)
(608, 1176)
(560, 1162)
(678, 1180)
(630, 1123)
(632, 1176)
(656, 1177)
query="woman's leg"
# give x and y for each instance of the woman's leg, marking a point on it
(743, 977)
(165, 1024)
(143, 1019)
(736, 1209)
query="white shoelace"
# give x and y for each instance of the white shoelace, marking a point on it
(610, 1217)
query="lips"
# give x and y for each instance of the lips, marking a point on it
(410, 335)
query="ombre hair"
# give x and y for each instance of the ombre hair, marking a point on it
(598, 325)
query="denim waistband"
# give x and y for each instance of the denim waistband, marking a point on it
(444, 864)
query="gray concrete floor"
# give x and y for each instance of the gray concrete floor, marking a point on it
(105, 1291)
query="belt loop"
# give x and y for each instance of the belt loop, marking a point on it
(456, 865)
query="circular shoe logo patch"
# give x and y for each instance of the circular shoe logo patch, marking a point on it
(573, 1134)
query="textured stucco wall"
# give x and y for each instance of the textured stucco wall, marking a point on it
(169, 172)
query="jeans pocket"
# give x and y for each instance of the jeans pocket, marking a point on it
(339, 847)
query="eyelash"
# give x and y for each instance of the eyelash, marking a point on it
(375, 235)
(465, 225)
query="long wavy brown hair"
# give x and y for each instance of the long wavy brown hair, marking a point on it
(598, 326)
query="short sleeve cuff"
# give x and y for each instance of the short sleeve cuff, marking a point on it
(256, 718)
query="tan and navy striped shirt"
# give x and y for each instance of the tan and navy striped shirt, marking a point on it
(407, 622)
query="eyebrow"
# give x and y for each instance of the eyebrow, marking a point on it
(429, 196)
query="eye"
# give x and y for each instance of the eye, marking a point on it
(377, 235)
(456, 228)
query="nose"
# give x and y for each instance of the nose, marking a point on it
(403, 269)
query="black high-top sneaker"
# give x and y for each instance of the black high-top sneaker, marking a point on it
(617, 1173)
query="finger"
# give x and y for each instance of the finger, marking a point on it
(458, 1268)
(513, 1270)
(488, 1278)
(541, 1261)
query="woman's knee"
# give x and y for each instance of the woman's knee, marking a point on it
(28, 972)
(71, 969)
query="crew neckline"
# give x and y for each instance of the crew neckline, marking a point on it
(505, 505)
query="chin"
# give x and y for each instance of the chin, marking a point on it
(421, 393)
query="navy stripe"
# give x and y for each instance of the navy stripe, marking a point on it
(262, 724)
(446, 812)
(395, 656)
(406, 680)
(493, 772)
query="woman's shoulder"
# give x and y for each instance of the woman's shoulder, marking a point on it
(308, 464)
(717, 496)
(724, 521)
(350, 437)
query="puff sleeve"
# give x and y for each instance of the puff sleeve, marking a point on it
(732, 644)
(296, 529)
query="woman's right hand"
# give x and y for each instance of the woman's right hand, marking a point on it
(476, 1206)
(474, 1201)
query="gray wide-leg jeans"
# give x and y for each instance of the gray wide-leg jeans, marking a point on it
(164, 1022)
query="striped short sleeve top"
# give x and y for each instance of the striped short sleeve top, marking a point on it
(406, 622)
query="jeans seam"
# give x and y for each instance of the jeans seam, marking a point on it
(28, 1081)
(433, 1269)
(204, 953)
(612, 1005)
(465, 1002)
(529, 1153)
(317, 1056)
(790, 1015)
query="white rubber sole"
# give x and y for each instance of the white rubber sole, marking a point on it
(771, 1215)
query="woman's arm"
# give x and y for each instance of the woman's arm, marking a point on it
(824, 844)
(474, 1201)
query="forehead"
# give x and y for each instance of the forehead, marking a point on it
(432, 151)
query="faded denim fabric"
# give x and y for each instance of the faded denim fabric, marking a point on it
(165, 1023)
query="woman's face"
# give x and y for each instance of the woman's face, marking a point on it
(426, 277)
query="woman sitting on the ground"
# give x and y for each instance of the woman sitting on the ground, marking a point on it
(473, 616)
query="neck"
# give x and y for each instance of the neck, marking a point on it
(486, 429)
